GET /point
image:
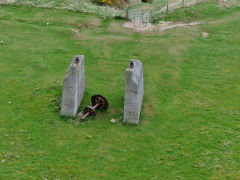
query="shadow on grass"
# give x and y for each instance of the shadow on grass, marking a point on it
(119, 18)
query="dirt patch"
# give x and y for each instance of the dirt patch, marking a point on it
(116, 27)
(169, 25)
(139, 27)
(161, 26)
(89, 23)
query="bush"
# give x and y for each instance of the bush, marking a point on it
(116, 3)
(147, 1)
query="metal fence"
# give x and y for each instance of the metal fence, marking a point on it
(146, 16)
(139, 16)
(134, 15)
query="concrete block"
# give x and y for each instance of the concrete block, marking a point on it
(73, 87)
(134, 91)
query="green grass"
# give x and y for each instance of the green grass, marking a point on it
(209, 10)
(190, 119)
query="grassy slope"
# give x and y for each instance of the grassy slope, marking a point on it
(190, 120)
(200, 11)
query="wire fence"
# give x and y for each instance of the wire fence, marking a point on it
(106, 11)
(134, 14)
(75, 5)
(172, 5)
(139, 16)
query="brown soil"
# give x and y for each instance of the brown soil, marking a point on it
(162, 26)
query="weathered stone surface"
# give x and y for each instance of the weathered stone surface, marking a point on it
(73, 87)
(134, 90)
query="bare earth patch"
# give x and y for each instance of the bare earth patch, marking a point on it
(89, 23)
(162, 26)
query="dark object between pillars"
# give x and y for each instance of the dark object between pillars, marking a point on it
(98, 102)
(147, 1)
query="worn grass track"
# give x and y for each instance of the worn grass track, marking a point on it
(190, 120)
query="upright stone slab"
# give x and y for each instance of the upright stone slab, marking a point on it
(134, 91)
(73, 87)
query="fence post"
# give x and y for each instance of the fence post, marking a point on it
(106, 11)
(145, 20)
(142, 15)
(134, 19)
(151, 15)
(79, 5)
(167, 9)
(127, 13)
(147, 16)
(52, 3)
(183, 3)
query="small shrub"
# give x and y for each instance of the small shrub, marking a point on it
(147, 1)
(116, 3)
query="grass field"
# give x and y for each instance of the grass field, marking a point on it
(190, 121)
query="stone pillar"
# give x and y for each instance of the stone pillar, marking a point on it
(73, 87)
(134, 90)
